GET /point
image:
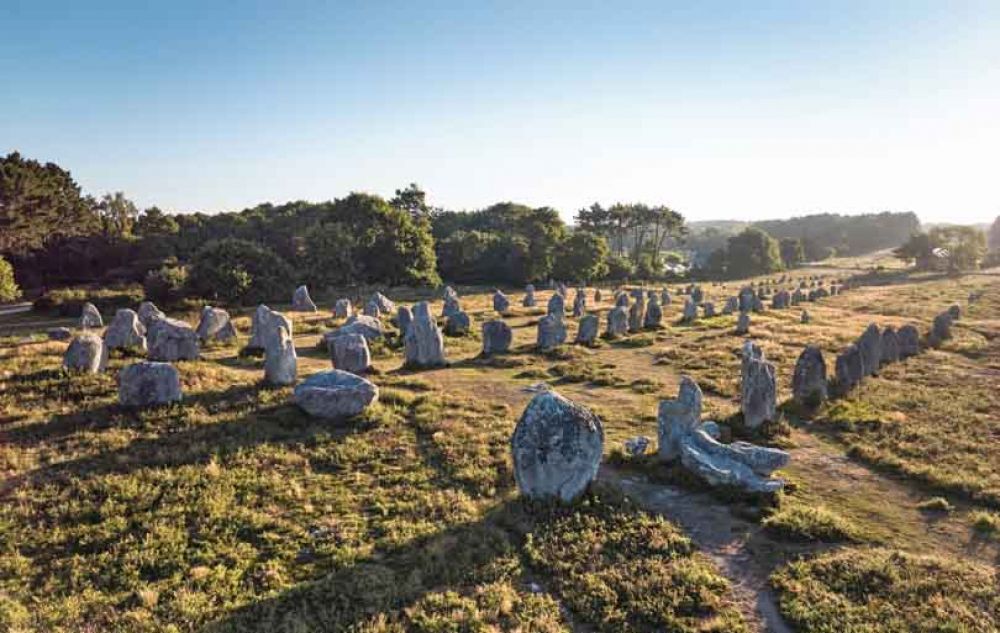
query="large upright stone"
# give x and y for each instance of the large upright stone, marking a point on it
(678, 417)
(579, 303)
(385, 305)
(690, 311)
(743, 323)
(850, 369)
(372, 309)
(551, 332)
(126, 332)
(889, 351)
(587, 332)
(343, 309)
(621, 300)
(149, 384)
(654, 314)
(457, 324)
(147, 312)
(423, 345)
(529, 297)
(90, 316)
(909, 341)
(637, 314)
(301, 301)
(258, 324)
(732, 305)
(501, 303)
(350, 353)
(758, 387)
(746, 298)
(617, 322)
(809, 387)
(870, 344)
(557, 306)
(955, 312)
(171, 340)
(86, 353)
(404, 316)
(335, 395)
(497, 337)
(556, 446)
(281, 365)
(215, 325)
(941, 329)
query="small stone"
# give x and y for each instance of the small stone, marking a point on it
(343, 309)
(597, 295)
(636, 446)
(732, 305)
(697, 295)
(335, 395)
(557, 306)
(743, 323)
(654, 315)
(621, 300)
(708, 309)
(301, 301)
(60, 334)
(149, 384)
(690, 311)
(90, 317)
(385, 305)
(86, 353)
(804, 318)
(809, 386)
(955, 312)
(126, 332)
(556, 446)
(941, 330)
(497, 337)
(403, 319)
(529, 297)
(579, 304)
(350, 353)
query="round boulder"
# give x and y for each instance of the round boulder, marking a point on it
(335, 394)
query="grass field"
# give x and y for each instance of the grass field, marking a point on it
(235, 511)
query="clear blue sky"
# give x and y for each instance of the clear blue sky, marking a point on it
(719, 109)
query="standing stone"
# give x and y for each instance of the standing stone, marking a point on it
(850, 368)
(804, 318)
(587, 333)
(343, 309)
(579, 303)
(500, 302)
(281, 364)
(697, 295)
(423, 345)
(90, 316)
(556, 446)
(621, 300)
(637, 314)
(215, 325)
(86, 353)
(557, 306)
(798, 297)
(385, 305)
(551, 332)
(678, 417)
(909, 341)
(708, 308)
(335, 395)
(529, 297)
(497, 337)
(941, 329)
(301, 301)
(732, 305)
(758, 387)
(171, 340)
(350, 353)
(654, 314)
(451, 303)
(889, 351)
(457, 324)
(562, 290)
(597, 295)
(147, 312)
(690, 311)
(809, 386)
(665, 297)
(757, 304)
(617, 322)
(403, 319)
(746, 298)
(371, 309)
(125, 332)
(743, 323)
(955, 312)
(148, 384)
(870, 344)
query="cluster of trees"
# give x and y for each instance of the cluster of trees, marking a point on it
(952, 248)
(639, 235)
(826, 234)
(751, 252)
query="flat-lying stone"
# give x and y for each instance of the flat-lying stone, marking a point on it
(60, 334)
(368, 327)
(335, 395)
(739, 464)
(556, 446)
(149, 384)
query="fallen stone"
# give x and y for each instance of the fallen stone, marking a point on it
(556, 447)
(149, 384)
(368, 327)
(335, 395)
(739, 464)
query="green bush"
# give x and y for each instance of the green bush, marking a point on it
(68, 302)
(8, 286)
(166, 285)
(810, 524)
(240, 272)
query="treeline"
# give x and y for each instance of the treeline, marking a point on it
(826, 234)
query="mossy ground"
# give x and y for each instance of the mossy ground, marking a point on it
(235, 511)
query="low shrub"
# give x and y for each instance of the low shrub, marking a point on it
(166, 285)
(68, 302)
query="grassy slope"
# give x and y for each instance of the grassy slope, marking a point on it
(237, 508)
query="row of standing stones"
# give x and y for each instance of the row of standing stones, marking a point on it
(557, 444)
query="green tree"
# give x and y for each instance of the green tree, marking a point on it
(955, 247)
(39, 203)
(8, 285)
(118, 215)
(329, 258)
(155, 223)
(753, 252)
(238, 271)
(918, 249)
(620, 268)
(582, 257)
(412, 199)
(792, 251)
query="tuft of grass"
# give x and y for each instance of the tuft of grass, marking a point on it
(804, 524)
(935, 504)
(857, 590)
(986, 523)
